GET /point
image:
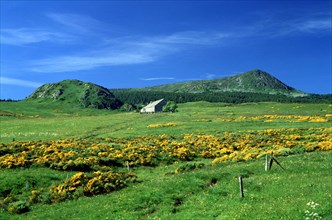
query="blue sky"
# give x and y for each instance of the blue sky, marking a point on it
(127, 44)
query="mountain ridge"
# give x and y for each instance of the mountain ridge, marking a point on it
(256, 81)
(254, 85)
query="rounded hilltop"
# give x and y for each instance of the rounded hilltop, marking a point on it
(76, 92)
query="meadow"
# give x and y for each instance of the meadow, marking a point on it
(35, 121)
(62, 162)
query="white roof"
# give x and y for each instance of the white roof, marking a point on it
(154, 103)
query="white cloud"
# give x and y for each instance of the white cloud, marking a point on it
(194, 38)
(274, 26)
(130, 50)
(210, 76)
(315, 25)
(76, 22)
(158, 78)
(22, 36)
(19, 82)
(122, 51)
(301, 25)
(77, 63)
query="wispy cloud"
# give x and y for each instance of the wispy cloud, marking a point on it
(308, 26)
(194, 38)
(76, 26)
(129, 50)
(275, 25)
(22, 36)
(292, 27)
(76, 22)
(158, 78)
(123, 51)
(210, 76)
(19, 82)
(312, 26)
(77, 63)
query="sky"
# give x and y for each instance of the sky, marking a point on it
(131, 44)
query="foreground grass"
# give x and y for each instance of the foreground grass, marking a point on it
(209, 192)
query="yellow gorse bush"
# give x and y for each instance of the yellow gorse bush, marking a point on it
(85, 184)
(170, 124)
(93, 159)
(271, 118)
(86, 155)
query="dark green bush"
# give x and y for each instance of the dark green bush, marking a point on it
(18, 207)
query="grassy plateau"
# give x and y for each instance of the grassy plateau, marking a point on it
(62, 162)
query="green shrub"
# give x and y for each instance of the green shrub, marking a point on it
(189, 167)
(18, 207)
(170, 107)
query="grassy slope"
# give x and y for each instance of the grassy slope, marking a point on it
(56, 121)
(75, 92)
(251, 81)
(269, 195)
(276, 194)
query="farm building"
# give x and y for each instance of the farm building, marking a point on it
(156, 106)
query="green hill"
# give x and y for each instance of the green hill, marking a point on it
(255, 81)
(251, 86)
(77, 93)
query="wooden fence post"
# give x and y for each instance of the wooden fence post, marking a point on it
(266, 162)
(128, 168)
(277, 162)
(241, 186)
(272, 159)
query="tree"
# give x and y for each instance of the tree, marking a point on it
(128, 107)
(170, 107)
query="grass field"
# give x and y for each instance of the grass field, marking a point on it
(37, 121)
(186, 164)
